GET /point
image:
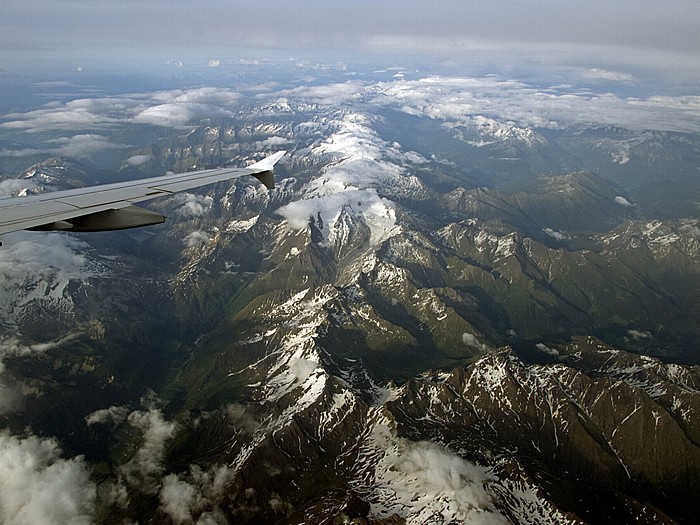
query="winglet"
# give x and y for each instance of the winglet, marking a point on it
(265, 167)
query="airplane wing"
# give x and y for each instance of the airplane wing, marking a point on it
(110, 206)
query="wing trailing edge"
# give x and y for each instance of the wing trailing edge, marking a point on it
(110, 206)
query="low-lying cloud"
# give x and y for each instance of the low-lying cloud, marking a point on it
(547, 350)
(111, 415)
(623, 202)
(76, 146)
(472, 341)
(38, 486)
(138, 160)
(460, 100)
(429, 482)
(191, 205)
(194, 497)
(160, 108)
(144, 471)
(196, 238)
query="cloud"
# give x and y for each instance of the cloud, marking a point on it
(50, 257)
(78, 114)
(138, 160)
(555, 234)
(273, 142)
(76, 146)
(172, 114)
(334, 94)
(79, 146)
(214, 63)
(623, 202)
(603, 74)
(637, 334)
(468, 101)
(194, 497)
(144, 470)
(38, 486)
(160, 108)
(196, 238)
(113, 415)
(22, 152)
(547, 350)
(179, 108)
(471, 340)
(191, 205)
(426, 478)
(178, 499)
(608, 35)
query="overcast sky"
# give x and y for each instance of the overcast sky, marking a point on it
(640, 37)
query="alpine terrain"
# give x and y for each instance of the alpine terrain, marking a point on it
(451, 309)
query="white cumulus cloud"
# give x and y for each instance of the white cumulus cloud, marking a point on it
(547, 350)
(555, 234)
(193, 497)
(38, 486)
(79, 146)
(191, 205)
(113, 414)
(145, 469)
(138, 160)
(623, 202)
(639, 334)
(196, 238)
(472, 341)
(161, 108)
(429, 482)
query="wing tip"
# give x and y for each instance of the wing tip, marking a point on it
(263, 169)
(268, 163)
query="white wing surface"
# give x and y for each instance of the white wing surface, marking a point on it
(110, 206)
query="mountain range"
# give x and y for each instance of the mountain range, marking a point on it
(427, 321)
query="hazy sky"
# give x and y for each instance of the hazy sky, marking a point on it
(640, 37)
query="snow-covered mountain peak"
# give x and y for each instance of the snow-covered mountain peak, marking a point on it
(38, 269)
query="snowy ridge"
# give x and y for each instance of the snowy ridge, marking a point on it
(662, 238)
(293, 377)
(525, 501)
(365, 169)
(38, 269)
(296, 365)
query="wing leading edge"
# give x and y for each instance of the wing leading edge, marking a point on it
(110, 206)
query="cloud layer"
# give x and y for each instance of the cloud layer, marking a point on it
(82, 127)
(466, 101)
(600, 34)
(160, 108)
